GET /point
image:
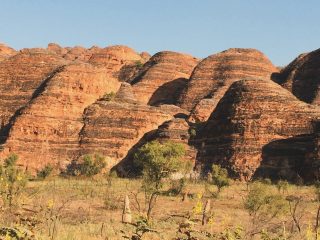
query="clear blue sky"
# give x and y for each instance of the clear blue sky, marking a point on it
(281, 29)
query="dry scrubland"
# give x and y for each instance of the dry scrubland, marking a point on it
(91, 208)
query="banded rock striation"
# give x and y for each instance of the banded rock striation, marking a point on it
(302, 77)
(163, 77)
(252, 113)
(6, 52)
(47, 129)
(213, 76)
(20, 77)
(114, 127)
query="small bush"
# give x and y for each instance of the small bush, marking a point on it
(139, 64)
(177, 187)
(45, 172)
(89, 165)
(12, 181)
(219, 177)
(109, 96)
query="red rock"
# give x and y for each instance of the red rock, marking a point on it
(163, 77)
(252, 114)
(302, 77)
(47, 129)
(6, 52)
(213, 76)
(20, 78)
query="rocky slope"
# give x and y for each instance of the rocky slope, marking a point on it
(252, 114)
(213, 76)
(163, 77)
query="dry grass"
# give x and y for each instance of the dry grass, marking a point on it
(89, 209)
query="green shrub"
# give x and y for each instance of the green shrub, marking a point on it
(219, 177)
(139, 64)
(89, 165)
(45, 172)
(262, 204)
(12, 181)
(158, 161)
(109, 96)
(282, 186)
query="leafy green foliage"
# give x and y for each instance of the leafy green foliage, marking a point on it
(220, 177)
(109, 96)
(260, 202)
(158, 161)
(45, 172)
(12, 181)
(89, 165)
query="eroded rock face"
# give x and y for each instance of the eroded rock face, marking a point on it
(176, 130)
(252, 114)
(302, 77)
(115, 57)
(47, 129)
(6, 52)
(213, 76)
(163, 77)
(20, 78)
(112, 128)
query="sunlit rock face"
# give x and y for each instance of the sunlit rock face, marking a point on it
(47, 129)
(163, 77)
(213, 76)
(252, 114)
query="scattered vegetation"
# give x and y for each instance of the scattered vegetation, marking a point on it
(61, 208)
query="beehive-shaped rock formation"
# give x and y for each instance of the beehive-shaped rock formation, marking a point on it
(163, 77)
(302, 77)
(253, 113)
(20, 78)
(213, 76)
(47, 129)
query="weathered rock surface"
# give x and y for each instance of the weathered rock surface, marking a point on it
(6, 52)
(20, 78)
(115, 57)
(176, 130)
(47, 129)
(112, 128)
(163, 77)
(252, 114)
(302, 77)
(213, 76)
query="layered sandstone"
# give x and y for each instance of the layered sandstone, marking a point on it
(114, 58)
(163, 77)
(21, 76)
(6, 52)
(176, 130)
(252, 114)
(213, 76)
(47, 129)
(302, 77)
(113, 128)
